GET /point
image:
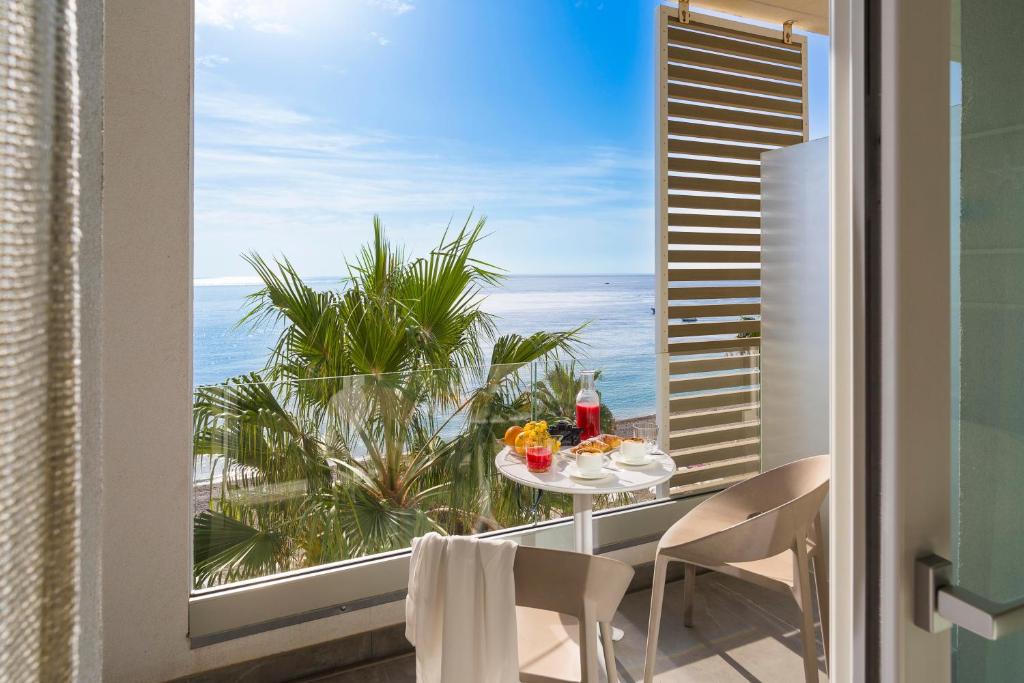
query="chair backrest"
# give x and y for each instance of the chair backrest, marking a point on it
(563, 581)
(760, 517)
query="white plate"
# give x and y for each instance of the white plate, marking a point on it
(574, 471)
(619, 460)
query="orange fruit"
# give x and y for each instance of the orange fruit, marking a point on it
(520, 443)
(511, 433)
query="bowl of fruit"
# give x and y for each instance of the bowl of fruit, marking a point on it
(517, 438)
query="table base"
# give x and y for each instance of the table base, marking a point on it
(583, 532)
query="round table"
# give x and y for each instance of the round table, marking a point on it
(621, 478)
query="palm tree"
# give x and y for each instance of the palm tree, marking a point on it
(373, 420)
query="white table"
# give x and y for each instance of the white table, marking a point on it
(620, 479)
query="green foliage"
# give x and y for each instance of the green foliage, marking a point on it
(375, 419)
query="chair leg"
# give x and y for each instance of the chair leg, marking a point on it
(654, 622)
(609, 652)
(588, 647)
(689, 586)
(803, 580)
(821, 584)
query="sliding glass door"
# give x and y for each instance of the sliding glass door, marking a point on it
(987, 274)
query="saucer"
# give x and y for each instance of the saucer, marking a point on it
(619, 460)
(573, 471)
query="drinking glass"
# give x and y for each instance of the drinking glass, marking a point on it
(538, 454)
(648, 431)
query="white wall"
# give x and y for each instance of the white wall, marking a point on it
(794, 303)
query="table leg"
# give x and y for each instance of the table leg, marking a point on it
(583, 523)
(583, 529)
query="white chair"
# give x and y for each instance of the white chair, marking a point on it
(766, 530)
(562, 599)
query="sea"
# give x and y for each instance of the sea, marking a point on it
(618, 340)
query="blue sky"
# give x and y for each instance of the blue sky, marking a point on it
(313, 115)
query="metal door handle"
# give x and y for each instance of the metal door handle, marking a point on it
(938, 605)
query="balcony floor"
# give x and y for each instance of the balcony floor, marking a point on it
(742, 633)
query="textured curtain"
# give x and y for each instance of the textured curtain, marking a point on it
(39, 383)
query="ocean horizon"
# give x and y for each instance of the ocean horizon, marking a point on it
(617, 308)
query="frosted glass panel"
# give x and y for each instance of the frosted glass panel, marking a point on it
(987, 127)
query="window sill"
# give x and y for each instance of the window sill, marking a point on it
(221, 614)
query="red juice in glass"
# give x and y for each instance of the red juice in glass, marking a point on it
(538, 458)
(588, 419)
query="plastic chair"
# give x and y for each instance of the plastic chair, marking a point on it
(765, 530)
(556, 592)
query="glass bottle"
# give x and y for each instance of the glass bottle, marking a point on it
(588, 407)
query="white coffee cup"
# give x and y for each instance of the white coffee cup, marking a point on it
(589, 464)
(634, 451)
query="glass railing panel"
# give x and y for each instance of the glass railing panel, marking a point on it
(292, 474)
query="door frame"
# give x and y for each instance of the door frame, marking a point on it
(847, 499)
(890, 499)
(911, 429)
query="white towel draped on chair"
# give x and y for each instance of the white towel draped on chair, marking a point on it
(461, 610)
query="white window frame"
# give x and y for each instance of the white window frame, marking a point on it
(142, 361)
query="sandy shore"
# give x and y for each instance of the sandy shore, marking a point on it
(625, 427)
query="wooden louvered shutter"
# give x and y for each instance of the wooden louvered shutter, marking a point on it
(727, 92)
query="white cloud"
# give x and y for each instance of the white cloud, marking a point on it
(383, 41)
(278, 180)
(335, 69)
(237, 108)
(396, 7)
(265, 16)
(211, 61)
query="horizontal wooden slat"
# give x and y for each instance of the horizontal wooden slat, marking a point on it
(685, 54)
(715, 149)
(702, 112)
(704, 220)
(707, 346)
(728, 134)
(715, 416)
(742, 467)
(733, 239)
(713, 310)
(773, 39)
(713, 167)
(718, 433)
(726, 185)
(710, 485)
(685, 404)
(689, 74)
(709, 274)
(730, 381)
(720, 451)
(712, 203)
(706, 329)
(712, 256)
(714, 292)
(688, 365)
(720, 43)
(707, 95)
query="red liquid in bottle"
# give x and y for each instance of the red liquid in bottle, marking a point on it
(588, 419)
